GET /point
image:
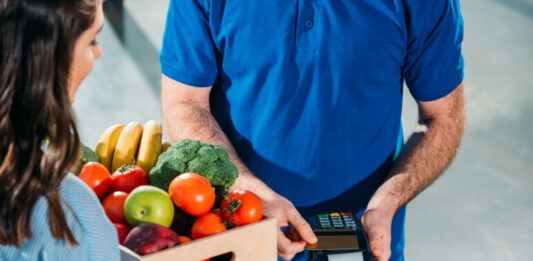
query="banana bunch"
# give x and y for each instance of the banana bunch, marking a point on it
(125, 144)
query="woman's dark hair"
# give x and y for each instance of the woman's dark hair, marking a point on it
(36, 52)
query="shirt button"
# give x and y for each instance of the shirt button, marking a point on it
(309, 24)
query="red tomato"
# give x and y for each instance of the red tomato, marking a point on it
(184, 239)
(122, 232)
(192, 193)
(207, 224)
(126, 178)
(97, 177)
(114, 207)
(249, 211)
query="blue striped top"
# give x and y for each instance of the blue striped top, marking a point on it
(96, 236)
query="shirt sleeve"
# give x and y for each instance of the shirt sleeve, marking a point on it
(188, 54)
(434, 63)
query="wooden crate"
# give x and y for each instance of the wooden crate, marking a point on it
(253, 242)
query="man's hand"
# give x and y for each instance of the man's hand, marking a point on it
(427, 153)
(187, 114)
(377, 224)
(293, 240)
(298, 233)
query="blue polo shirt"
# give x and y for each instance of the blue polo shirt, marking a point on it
(310, 92)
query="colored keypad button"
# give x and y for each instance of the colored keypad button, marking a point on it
(334, 214)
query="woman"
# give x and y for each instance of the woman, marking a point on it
(47, 49)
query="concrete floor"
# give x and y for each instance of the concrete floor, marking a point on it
(480, 209)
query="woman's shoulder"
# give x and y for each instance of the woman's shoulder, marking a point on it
(78, 197)
(99, 233)
(72, 182)
(96, 236)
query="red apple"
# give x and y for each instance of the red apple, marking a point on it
(122, 232)
(149, 237)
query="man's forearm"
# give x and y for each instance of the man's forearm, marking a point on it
(187, 120)
(427, 153)
(187, 114)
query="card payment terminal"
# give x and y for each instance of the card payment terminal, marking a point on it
(338, 232)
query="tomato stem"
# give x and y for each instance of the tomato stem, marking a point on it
(124, 168)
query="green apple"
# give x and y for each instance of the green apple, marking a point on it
(149, 204)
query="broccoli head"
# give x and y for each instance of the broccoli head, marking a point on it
(208, 160)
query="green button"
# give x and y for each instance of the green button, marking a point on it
(323, 215)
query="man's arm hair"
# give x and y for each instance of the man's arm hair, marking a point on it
(187, 115)
(427, 153)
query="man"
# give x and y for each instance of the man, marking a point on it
(306, 95)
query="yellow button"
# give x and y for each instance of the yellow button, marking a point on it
(334, 214)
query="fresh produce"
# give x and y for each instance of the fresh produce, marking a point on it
(122, 232)
(127, 145)
(192, 193)
(105, 148)
(241, 208)
(96, 176)
(196, 176)
(165, 145)
(184, 239)
(127, 178)
(86, 155)
(208, 160)
(150, 145)
(148, 204)
(149, 237)
(114, 207)
(182, 222)
(207, 224)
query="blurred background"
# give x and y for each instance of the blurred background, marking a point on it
(480, 209)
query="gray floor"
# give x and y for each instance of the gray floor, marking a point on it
(481, 208)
